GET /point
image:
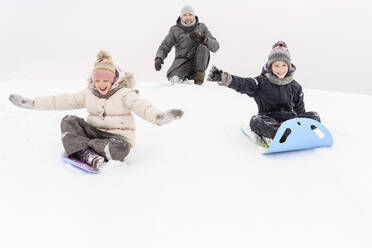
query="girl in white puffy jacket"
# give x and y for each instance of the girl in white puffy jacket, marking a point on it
(109, 131)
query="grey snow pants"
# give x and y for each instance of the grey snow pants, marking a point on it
(78, 135)
(199, 63)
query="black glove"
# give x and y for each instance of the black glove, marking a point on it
(197, 37)
(158, 63)
(215, 75)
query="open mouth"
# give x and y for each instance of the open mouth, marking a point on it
(103, 90)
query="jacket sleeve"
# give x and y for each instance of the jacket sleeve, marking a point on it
(212, 43)
(141, 107)
(247, 86)
(299, 105)
(166, 45)
(61, 102)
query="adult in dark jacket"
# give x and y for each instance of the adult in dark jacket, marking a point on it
(278, 96)
(193, 43)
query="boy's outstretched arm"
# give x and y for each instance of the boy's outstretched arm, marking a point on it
(247, 86)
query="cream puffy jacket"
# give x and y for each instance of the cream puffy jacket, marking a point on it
(114, 114)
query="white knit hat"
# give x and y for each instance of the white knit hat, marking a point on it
(187, 9)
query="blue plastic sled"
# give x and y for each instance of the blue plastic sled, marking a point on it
(303, 135)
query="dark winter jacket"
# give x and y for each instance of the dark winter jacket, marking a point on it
(179, 37)
(272, 99)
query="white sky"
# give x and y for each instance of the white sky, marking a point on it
(329, 40)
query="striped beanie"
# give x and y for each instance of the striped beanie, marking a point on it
(279, 52)
(104, 67)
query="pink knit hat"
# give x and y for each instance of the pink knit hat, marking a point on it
(103, 67)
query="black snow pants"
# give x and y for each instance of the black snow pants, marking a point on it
(268, 124)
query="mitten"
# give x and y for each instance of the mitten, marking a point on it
(216, 75)
(168, 116)
(21, 101)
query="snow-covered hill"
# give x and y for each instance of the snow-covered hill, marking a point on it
(197, 182)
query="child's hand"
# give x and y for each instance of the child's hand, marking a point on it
(223, 78)
(215, 75)
(168, 116)
(21, 101)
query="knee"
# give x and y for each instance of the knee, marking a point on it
(121, 144)
(315, 116)
(255, 119)
(311, 115)
(68, 120)
(202, 49)
(255, 122)
(119, 149)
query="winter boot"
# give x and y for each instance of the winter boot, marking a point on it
(260, 140)
(266, 142)
(199, 77)
(91, 158)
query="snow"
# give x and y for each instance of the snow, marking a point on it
(197, 182)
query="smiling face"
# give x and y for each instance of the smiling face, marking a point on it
(280, 69)
(103, 85)
(103, 80)
(187, 18)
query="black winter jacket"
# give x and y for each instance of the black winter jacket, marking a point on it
(270, 97)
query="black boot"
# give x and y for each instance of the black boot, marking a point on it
(90, 157)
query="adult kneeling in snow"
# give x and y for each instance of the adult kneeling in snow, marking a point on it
(193, 43)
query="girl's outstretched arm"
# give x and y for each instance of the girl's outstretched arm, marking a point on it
(57, 102)
(149, 112)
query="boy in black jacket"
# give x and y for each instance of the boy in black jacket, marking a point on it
(278, 96)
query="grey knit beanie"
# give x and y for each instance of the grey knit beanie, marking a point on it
(187, 9)
(279, 52)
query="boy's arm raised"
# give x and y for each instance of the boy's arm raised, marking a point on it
(247, 86)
